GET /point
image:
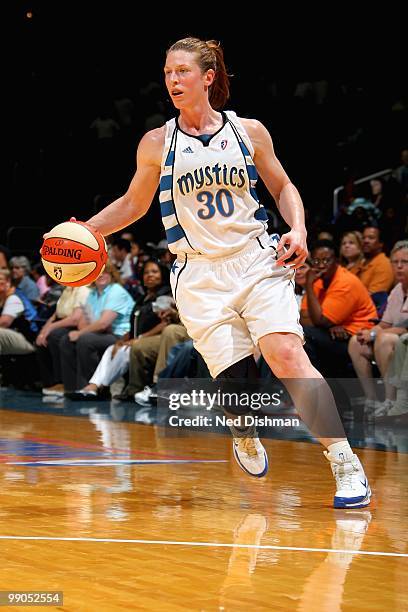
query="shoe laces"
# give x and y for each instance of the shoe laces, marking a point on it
(345, 473)
(247, 445)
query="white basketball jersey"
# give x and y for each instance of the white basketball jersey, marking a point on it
(208, 200)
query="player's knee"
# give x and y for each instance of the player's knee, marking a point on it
(288, 359)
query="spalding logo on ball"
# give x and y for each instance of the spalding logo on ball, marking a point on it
(74, 254)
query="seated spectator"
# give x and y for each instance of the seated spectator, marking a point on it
(120, 251)
(143, 321)
(376, 272)
(371, 211)
(40, 278)
(105, 319)
(338, 306)
(397, 376)
(20, 274)
(16, 335)
(127, 236)
(351, 252)
(300, 282)
(379, 341)
(151, 354)
(65, 319)
(325, 235)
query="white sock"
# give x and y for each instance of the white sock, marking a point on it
(340, 451)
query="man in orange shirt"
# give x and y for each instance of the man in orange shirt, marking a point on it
(376, 272)
(336, 307)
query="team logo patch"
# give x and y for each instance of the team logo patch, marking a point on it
(224, 144)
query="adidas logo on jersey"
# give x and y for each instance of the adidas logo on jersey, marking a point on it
(188, 150)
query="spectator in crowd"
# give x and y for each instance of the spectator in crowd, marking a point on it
(105, 319)
(338, 306)
(325, 235)
(351, 252)
(300, 282)
(372, 213)
(4, 257)
(152, 353)
(376, 273)
(120, 251)
(65, 319)
(379, 341)
(16, 335)
(20, 274)
(397, 376)
(127, 236)
(40, 278)
(144, 323)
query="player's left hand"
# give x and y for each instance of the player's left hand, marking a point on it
(73, 335)
(296, 248)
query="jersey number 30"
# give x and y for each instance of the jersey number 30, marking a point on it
(223, 203)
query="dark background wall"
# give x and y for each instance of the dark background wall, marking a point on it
(67, 63)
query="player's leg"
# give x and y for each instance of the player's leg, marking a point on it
(315, 403)
(249, 452)
(206, 294)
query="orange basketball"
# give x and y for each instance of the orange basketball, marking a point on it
(74, 254)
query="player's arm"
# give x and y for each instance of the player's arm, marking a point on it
(137, 199)
(285, 194)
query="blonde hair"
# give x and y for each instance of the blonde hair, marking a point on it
(398, 246)
(357, 239)
(209, 55)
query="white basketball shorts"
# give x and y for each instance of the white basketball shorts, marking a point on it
(228, 304)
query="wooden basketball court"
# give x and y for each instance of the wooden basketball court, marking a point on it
(121, 516)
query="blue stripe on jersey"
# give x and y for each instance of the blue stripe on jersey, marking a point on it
(170, 159)
(175, 233)
(261, 214)
(167, 208)
(252, 173)
(243, 148)
(166, 182)
(253, 193)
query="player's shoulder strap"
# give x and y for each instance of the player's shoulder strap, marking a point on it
(240, 131)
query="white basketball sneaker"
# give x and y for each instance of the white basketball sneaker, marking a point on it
(250, 456)
(353, 490)
(143, 397)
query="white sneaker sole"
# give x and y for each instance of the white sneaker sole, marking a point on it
(261, 474)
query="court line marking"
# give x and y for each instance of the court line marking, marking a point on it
(97, 447)
(207, 544)
(105, 462)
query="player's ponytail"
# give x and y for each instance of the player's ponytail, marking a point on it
(209, 55)
(219, 90)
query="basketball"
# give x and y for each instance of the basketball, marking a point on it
(74, 254)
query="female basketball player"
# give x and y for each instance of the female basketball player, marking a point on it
(231, 281)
